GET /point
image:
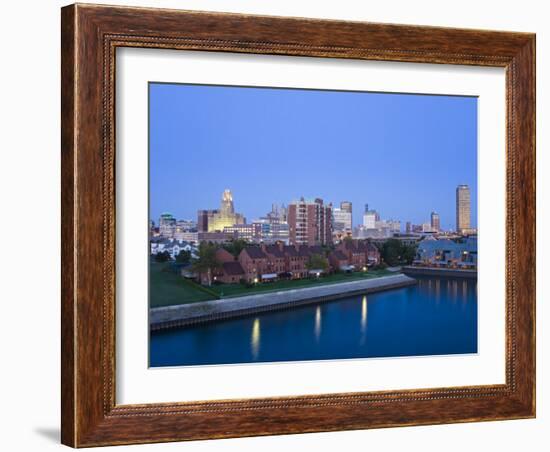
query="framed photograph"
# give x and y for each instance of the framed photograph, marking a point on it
(280, 225)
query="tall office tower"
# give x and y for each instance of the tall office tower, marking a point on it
(463, 209)
(342, 218)
(370, 217)
(346, 206)
(310, 222)
(408, 227)
(435, 222)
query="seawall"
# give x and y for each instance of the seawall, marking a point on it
(206, 311)
(444, 272)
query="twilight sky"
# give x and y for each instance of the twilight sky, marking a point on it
(402, 154)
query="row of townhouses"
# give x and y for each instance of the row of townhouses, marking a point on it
(271, 262)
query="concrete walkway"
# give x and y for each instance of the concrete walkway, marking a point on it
(186, 314)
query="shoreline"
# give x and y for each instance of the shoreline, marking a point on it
(226, 308)
(434, 271)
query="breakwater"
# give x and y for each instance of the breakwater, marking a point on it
(193, 313)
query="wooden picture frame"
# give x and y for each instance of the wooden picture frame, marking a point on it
(90, 36)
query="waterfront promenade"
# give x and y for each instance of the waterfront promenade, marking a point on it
(187, 314)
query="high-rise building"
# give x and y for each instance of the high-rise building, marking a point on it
(224, 217)
(167, 225)
(408, 228)
(203, 219)
(370, 217)
(342, 221)
(435, 222)
(310, 222)
(346, 206)
(463, 209)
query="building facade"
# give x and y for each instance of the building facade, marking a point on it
(463, 209)
(249, 232)
(310, 222)
(167, 225)
(225, 216)
(341, 220)
(370, 217)
(435, 222)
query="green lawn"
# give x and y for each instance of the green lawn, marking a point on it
(237, 290)
(168, 288)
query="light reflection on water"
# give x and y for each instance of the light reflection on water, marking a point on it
(364, 310)
(255, 339)
(437, 316)
(318, 323)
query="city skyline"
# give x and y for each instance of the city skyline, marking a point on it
(225, 216)
(191, 126)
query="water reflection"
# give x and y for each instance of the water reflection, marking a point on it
(318, 323)
(431, 327)
(255, 339)
(364, 306)
(455, 291)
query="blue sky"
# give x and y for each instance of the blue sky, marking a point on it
(402, 154)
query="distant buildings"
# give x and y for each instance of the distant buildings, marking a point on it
(342, 224)
(203, 219)
(346, 206)
(310, 222)
(249, 232)
(370, 217)
(435, 222)
(374, 227)
(303, 222)
(463, 209)
(216, 221)
(167, 225)
(186, 230)
(274, 226)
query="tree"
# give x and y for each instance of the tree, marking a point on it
(391, 252)
(207, 261)
(163, 256)
(408, 254)
(317, 262)
(235, 246)
(394, 252)
(184, 257)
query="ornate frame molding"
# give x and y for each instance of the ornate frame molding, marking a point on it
(90, 37)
